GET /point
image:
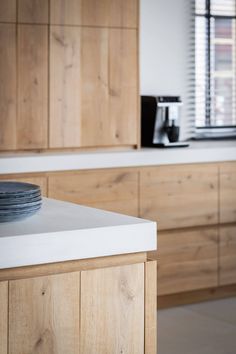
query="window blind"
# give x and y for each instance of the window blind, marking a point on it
(215, 67)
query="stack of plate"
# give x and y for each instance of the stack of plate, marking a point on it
(18, 200)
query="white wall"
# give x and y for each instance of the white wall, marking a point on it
(164, 48)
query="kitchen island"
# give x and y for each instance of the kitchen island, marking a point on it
(75, 279)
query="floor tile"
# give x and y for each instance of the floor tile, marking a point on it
(185, 330)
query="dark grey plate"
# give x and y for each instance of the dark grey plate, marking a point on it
(20, 200)
(10, 188)
(19, 205)
(16, 217)
(19, 211)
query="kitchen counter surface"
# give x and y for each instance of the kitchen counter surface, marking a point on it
(64, 231)
(197, 152)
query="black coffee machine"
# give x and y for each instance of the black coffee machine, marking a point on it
(160, 118)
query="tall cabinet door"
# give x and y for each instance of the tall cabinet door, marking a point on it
(109, 87)
(32, 120)
(65, 105)
(114, 299)
(3, 317)
(44, 314)
(7, 86)
(227, 255)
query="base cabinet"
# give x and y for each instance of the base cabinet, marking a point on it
(227, 252)
(187, 260)
(3, 317)
(95, 311)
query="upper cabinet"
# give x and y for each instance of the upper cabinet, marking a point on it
(180, 196)
(228, 192)
(93, 87)
(7, 11)
(7, 86)
(33, 11)
(32, 119)
(101, 13)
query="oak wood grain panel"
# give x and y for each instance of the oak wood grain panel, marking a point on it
(110, 13)
(104, 13)
(151, 307)
(40, 181)
(228, 192)
(65, 92)
(179, 196)
(115, 190)
(227, 255)
(187, 260)
(114, 299)
(44, 315)
(7, 86)
(3, 317)
(64, 12)
(71, 266)
(109, 96)
(32, 117)
(7, 11)
(33, 11)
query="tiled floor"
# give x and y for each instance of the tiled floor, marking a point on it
(205, 328)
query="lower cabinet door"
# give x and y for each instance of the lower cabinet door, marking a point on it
(38, 180)
(187, 260)
(112, 310)
(227, 255)
(44, 315)
(3, 317)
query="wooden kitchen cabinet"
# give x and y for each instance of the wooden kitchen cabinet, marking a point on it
(33, 11)
(114, 190)
(104, 292)
(32, 120)
(3, 317)
(227, 255)
(228, 192)
(8, 122)
(187, 260)
(44, 314)
(103, 305)
(179, 196)
(104, 13)
(7, 11)
(93, 87)
(109, 90)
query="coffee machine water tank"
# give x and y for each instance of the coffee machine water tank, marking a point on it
(160, 116)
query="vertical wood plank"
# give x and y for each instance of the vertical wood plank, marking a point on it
(151, 307)
(64, 12)
(109, 87)
(65, 130)
(112, 310)
(33, 11)
(8, 11)
(3, 317)
(228, 192)
(227, 255)
(32, 117)
(7, 86)
(44, 315)
(110, 13)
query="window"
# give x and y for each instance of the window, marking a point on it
(215, 66)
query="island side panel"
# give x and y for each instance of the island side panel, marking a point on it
(112, 310)
(44, 314)
(151, 307)
(3, 317)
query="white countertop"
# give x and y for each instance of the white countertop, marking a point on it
(198, 152)
(64, 231)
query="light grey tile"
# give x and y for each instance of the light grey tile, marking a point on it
(183, 331)
(224, 310)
